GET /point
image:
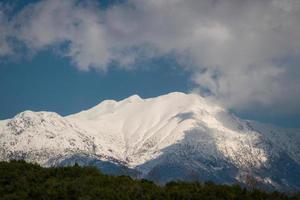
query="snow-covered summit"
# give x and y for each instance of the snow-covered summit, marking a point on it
(173, 136)
(133, 127)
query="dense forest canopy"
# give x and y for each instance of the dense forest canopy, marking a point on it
(21, 180)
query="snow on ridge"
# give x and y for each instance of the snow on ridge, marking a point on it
(136, 131)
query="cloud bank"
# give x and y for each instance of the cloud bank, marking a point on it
(244, 54)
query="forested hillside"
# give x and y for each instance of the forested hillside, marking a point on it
(20, 180)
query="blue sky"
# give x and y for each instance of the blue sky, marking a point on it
(65, 56)
(49, 82)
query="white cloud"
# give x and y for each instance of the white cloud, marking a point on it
(5, 47)
(55, 22)
(244, 51)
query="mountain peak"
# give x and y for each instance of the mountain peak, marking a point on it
(174, 94)
(172, 136)
(31, 117)
(133, 98)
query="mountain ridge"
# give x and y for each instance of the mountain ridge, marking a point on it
(170, 137)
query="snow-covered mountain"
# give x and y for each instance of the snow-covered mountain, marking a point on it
(170, 137)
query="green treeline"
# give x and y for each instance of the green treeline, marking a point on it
(20, 180)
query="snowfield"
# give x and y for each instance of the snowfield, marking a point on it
(170, 137)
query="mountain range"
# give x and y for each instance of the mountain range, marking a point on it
(175, 136)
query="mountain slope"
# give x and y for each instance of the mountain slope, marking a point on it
(174, 136)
